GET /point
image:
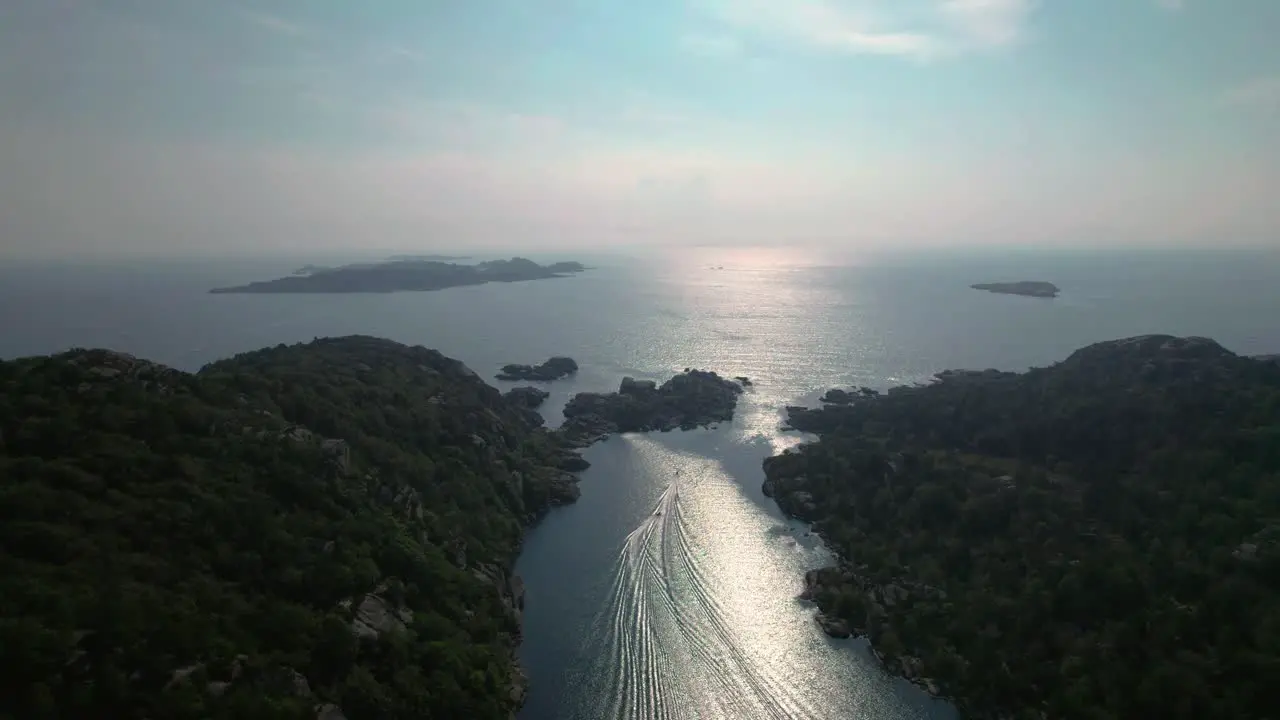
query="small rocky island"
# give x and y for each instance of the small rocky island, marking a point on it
(553, 369)
(1028, 288)
(691, 399)
(406, 274)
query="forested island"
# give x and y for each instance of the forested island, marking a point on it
(406, 274)
(309, 269)
(318, 531)
(1095, 539)
(1029, 288)
(317, 528)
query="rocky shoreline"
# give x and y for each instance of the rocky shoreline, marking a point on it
(827, 587)
(820, 587)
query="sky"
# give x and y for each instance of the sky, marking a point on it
(241, 126)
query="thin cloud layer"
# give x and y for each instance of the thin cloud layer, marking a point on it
(913, 28)
(202, 127)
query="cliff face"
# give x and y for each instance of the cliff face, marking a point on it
(1097, 538)
(319, 528)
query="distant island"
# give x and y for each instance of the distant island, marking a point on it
(429, 258)
(397, 275)
(312, 269)
(1029, 288)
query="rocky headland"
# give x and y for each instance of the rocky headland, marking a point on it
(322, 530)
(1020, 542)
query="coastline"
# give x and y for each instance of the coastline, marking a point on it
(901, 665)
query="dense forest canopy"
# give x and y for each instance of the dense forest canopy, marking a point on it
(1095, 539)
(300, 531)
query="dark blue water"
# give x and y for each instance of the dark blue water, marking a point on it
(669, 589)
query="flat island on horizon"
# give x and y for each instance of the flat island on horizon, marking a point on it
(407, 275)
(1029, 288)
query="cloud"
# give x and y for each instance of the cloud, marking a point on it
(991, 23)
(921, 29)
(1261, 93)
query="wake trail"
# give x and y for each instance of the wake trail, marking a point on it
(673, 649)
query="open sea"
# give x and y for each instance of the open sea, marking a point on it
(669, 590)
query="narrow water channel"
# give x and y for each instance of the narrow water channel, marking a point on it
(669, 591)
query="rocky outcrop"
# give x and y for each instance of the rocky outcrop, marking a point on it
(835, 627)
(791, 493)
(526, 401)
(573, 462)
(553, 369)
(375, 616)
(329, 711)
(691, 399)
(526, 396)
(836, 396)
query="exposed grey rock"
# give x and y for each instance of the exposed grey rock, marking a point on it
(298, 682)
(182, 674)
(519, 686)
(834, 627)
(374, 617)
(329, 711)
(339, 451)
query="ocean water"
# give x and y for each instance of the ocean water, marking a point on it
(669, 590)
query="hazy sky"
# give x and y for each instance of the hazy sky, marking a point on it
(143, 125)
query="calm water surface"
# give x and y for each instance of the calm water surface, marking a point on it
(668, 590)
